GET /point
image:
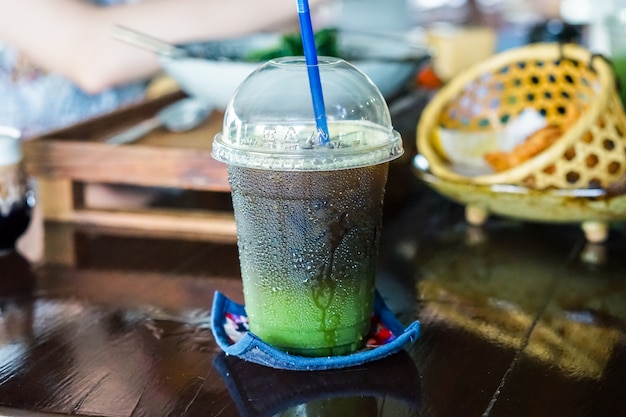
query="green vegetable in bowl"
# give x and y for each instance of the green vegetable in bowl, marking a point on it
(291, 45)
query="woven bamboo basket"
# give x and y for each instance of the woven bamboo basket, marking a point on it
(554, 80)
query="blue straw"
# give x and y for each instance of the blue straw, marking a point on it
(310, 55)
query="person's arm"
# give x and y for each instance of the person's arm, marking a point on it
(73, 38)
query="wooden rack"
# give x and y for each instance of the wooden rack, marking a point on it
(67, 161)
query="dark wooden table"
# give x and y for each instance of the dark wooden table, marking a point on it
(518, 319)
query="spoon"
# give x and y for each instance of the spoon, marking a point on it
(147, 42)
(414, 54)
(180, 116)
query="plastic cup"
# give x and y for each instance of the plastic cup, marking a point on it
(308, 215)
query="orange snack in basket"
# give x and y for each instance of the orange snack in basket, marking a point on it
(533, 145)
(499, 161)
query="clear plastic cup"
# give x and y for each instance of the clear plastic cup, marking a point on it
(308, 214)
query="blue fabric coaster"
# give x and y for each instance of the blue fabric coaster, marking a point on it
(230, 329)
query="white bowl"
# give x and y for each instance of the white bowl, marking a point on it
(390, 61)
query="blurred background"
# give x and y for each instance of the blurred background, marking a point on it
(506, 23)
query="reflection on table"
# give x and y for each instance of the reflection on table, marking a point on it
(517, 319)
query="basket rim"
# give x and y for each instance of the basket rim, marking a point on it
(448, 92)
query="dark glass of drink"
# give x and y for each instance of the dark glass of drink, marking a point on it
(16, 197)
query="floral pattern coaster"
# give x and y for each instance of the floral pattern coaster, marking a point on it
(232, 334)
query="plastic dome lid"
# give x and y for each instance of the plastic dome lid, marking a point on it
(270, 124)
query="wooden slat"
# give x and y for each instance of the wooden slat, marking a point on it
(216, 225)
(55, 198)
(136, 165)
(139, 164)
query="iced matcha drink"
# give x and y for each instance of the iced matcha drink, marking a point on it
(308, 243)
(308, 213)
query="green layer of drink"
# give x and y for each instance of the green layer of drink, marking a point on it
(308, 245)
